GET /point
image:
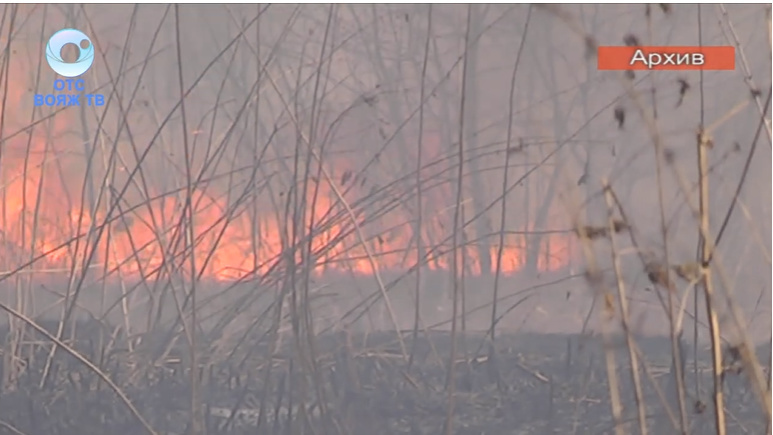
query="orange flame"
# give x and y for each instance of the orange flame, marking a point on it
(151, 238)
(41, 215)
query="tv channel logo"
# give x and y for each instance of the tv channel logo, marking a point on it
(64, 89)
(85, 53)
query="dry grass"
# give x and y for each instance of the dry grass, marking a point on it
(321, 136)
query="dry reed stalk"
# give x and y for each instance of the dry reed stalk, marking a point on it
(654, 131)
(707, 284)
(350, 213)
(456, 267)
(596, 282)
(624, 311)
(418, 233)
(752, 366)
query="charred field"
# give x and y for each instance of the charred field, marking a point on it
(528, 383)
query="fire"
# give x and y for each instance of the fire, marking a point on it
(45, 214)
(150, 238)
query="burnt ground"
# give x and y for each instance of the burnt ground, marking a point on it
(533, 384)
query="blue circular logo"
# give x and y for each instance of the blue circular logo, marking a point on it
(54, 53)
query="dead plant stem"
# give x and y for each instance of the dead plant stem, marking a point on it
(624, 312)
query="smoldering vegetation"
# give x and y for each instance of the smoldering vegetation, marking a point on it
(349, 219)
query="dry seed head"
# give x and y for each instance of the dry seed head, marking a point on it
(620, 225)
(691, 271)
(620, 117)
(592, 232)
(631, 40)
(591, 46)
(516, 148)
(733, 359)
(735, 352)
(658, 274)
(684, 86)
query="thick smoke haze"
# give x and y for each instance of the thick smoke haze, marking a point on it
(262, 83)
(266, 188)
(284, 101)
